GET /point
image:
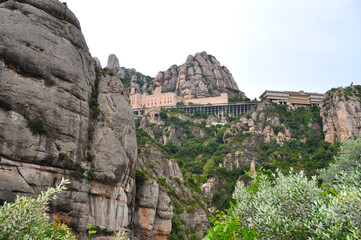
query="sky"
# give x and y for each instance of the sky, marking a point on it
(284, 45)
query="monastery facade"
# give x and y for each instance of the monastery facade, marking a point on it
(139, 101)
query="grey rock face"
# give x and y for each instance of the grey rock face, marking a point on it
(47, 74)
(113, 62)
(114, 143)
(44, 76)
(154, 212)
(156, 197)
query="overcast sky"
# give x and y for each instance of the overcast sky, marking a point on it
(312, 45)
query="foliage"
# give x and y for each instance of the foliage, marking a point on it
(163, 114)
(199, 114)
(228, 226)
(346, 163)
(177, 231)
(140, 178)
(78, 173)
(91, 230)
(295, 207)
(93, 103)
(120, 235)
(63, 156)
(239, 99)
(36, 126)
(26, 218)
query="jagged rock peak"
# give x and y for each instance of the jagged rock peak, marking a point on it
(341, 113)
(200, 76)
(113, 62)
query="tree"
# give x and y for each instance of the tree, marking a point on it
(294, 207)
(26, 218)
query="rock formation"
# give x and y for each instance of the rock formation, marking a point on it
(113, 62)
(163, 196)
(135, 81)
(47, 129)
(200, 76)
(341, 113)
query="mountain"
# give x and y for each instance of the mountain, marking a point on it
(200, 76)
(62, 117)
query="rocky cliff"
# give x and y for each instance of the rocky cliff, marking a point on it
(166, 207)
(60, 116)
(200, 76)
(341, 113)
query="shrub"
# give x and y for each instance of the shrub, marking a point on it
(295, 207)
(63, 156)
(36, 126)
(89, 157)
(26, 218)
(78, 174)
(140, 178)
(163, 114)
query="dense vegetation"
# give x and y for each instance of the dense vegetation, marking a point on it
(203, 149)
(292, 206)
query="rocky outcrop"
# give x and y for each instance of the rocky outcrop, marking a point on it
(262, 125)
(341, 114)
(135, 81)
(208, 187)
(154, 214)
(200, 76)
(48, 130)
(113, 62)
(163, 196)
(259, 122)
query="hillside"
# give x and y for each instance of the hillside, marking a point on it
(211, 159)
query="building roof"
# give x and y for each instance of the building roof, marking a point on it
(301, 92)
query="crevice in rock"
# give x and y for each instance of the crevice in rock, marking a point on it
(30, 185)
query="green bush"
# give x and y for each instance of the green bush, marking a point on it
(63, 156)
(295, 207)
(36, 126)
(140, 178)
(78, 174)
(26, 218)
